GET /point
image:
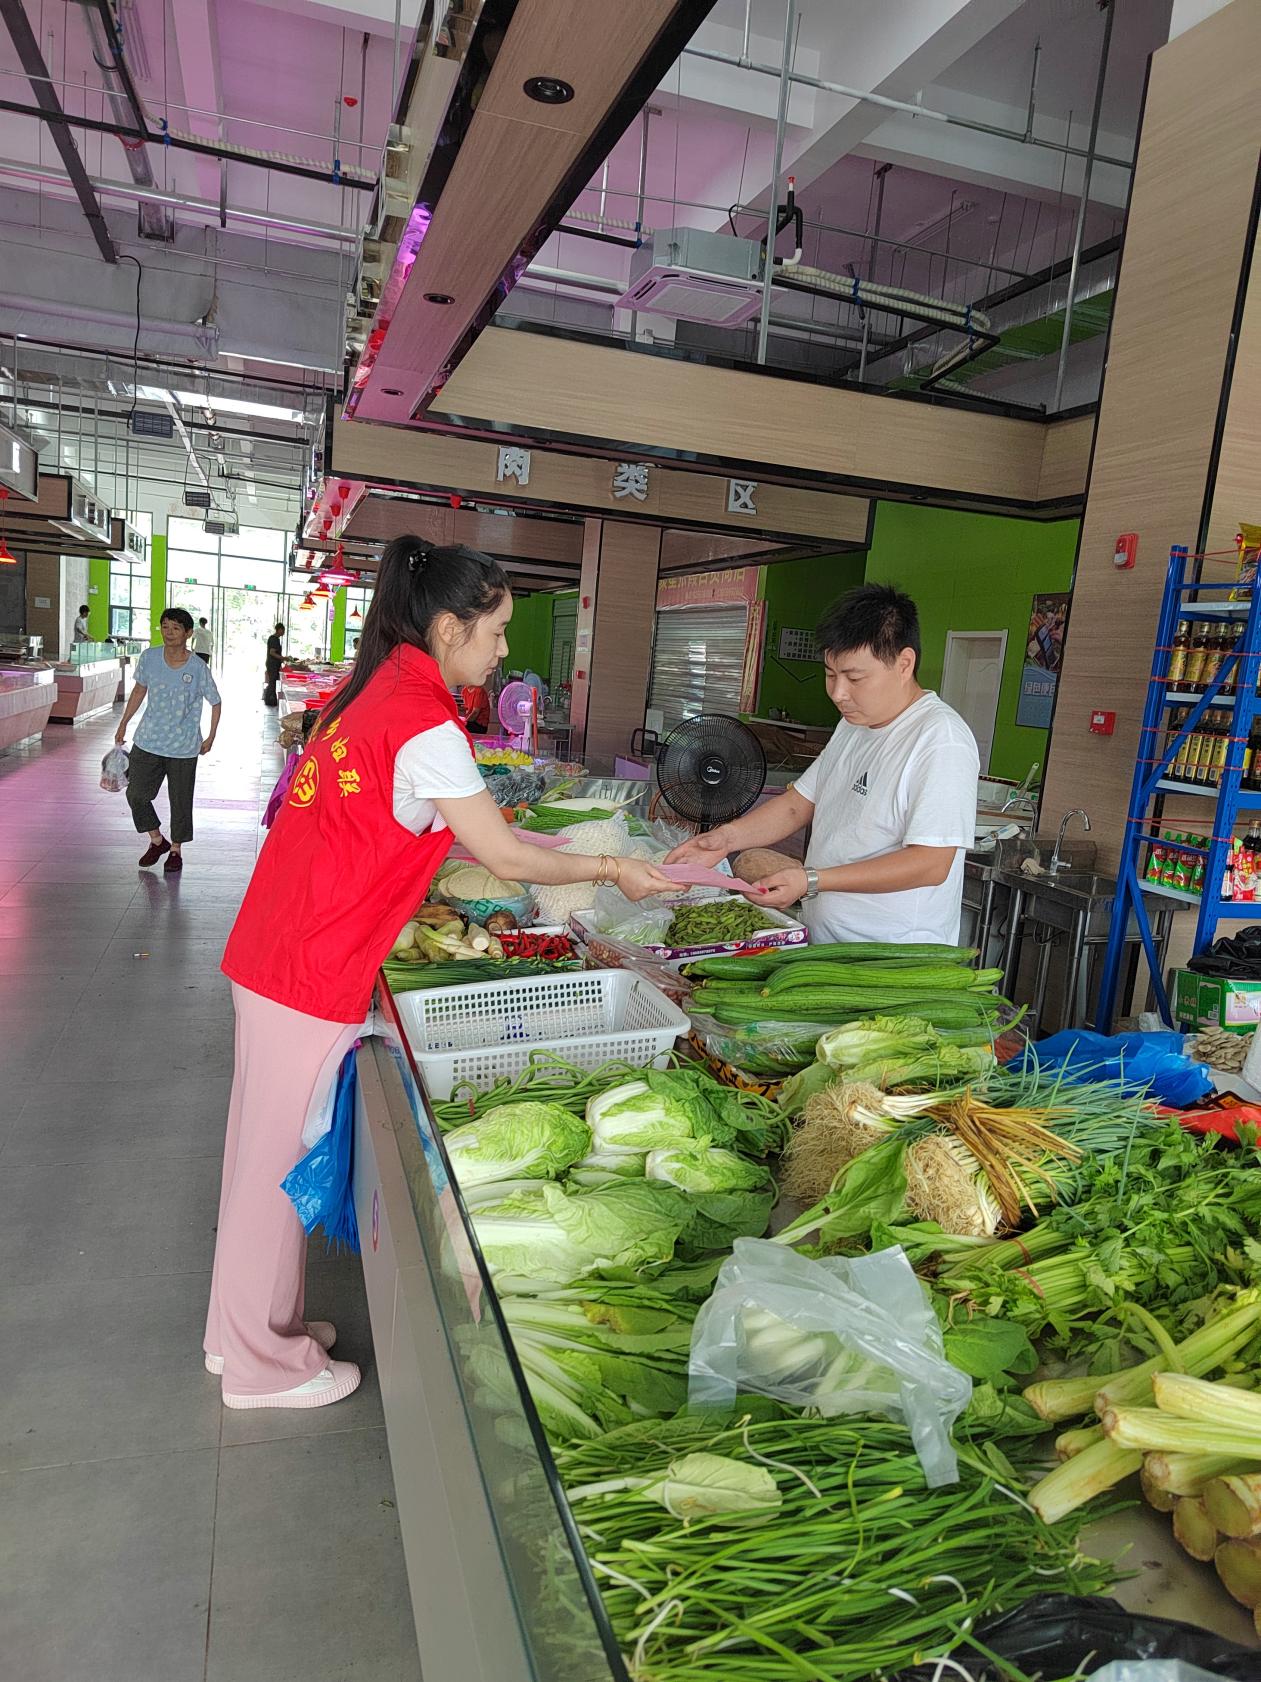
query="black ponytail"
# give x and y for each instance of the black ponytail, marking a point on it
(415, 584)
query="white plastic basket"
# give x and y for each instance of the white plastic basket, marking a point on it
(482, 1032)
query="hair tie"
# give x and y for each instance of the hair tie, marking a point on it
(418, 559)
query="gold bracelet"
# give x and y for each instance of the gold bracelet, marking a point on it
(602, 871)
(617, 880)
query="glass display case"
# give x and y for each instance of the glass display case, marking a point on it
(502, 1588)
(90, 653)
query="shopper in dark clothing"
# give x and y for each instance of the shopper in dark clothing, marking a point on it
(274, 653)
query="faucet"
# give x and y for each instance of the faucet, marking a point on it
(1057, 863)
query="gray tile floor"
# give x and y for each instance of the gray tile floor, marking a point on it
(146, 1535)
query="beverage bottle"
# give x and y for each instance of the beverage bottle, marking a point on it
(1195, 658)
(1178, 655)
(1228, 633)
(1214, 654)
(1203, 740)
(1251, 778)
(1178, 771)
(1221, 747)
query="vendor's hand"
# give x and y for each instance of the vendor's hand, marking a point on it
(638, 879)
(781, 890)
(208, 743)
(708, 849)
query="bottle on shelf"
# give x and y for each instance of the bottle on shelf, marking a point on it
(1251, 778)
(1178, 771)
(1227, 637)
(1178, 655)
(1246, 860)
(1197, 767)
(1214, 654)
(1195, 658)
(1221, 747)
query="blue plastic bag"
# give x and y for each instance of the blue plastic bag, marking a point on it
(1140, 1063)
(319, 1186)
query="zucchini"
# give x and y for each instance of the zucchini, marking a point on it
(926, 977)
(868, 951)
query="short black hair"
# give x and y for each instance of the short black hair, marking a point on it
(875, 616)
(83, 608)
(180, 615)
(201, 621)
(280, 625)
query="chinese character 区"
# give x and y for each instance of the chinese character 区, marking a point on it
(514, 463)
(630, 478)
(339, 749)
(740, 496)
(348, 783)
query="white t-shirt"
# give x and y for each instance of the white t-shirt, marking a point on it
(202, 641)
(909, 783)
(436, 765)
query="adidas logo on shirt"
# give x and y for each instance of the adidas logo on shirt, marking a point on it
(860, 787)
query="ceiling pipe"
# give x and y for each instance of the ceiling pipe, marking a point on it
(1082, 206)
(868, 98)
(60, 121)
(180, 201)
(48, 110)
(206, 336)
(155, 221)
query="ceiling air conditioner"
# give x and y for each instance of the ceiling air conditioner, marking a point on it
(221, 524)
(89, 518)
(692, 275)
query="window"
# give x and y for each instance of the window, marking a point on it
(129, 595)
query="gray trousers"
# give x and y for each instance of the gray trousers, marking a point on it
(146, 773)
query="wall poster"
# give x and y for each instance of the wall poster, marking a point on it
(1044, 651)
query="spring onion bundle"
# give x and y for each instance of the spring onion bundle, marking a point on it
(858, 1571)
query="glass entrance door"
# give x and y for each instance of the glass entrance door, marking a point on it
(249, 617)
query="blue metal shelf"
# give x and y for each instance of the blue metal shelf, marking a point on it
(1157, 751)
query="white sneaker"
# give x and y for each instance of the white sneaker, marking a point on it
(338, 1380)
(323, 1331)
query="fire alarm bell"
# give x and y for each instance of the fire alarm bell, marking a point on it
(1102, 724)
(1126, 552)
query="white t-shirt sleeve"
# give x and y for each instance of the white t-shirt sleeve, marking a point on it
(941, 808)
(437, 764)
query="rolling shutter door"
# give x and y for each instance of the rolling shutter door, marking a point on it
(697, 661)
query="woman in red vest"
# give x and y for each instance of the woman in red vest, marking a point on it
(387, 781)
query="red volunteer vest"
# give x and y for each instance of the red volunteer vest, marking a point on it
(338, 875)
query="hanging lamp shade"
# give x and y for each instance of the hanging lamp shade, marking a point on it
(321, 591)
(356, 614)
(306, 605)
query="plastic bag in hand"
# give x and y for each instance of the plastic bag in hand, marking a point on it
(114, 771)
(839, 1335)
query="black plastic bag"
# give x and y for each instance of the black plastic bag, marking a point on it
(1055, 1634)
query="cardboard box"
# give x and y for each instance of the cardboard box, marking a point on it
(1212, 1001)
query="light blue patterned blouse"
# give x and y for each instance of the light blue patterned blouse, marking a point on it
(170, 724)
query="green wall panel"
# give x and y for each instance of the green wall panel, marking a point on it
(530, 635)
(796, 594)
(157, 587)
(98, 604)
(975, 572)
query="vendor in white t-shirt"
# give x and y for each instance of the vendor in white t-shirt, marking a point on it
(891, 799)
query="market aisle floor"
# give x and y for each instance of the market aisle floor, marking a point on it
(147, 1534)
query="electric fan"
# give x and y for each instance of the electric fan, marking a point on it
(518, 713)
(710, 769)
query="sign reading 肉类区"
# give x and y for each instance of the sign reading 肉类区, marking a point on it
(1044, 652)
(703, 589)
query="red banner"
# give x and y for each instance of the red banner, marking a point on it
(704, 589)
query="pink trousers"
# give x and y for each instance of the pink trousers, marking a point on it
(256, 1292)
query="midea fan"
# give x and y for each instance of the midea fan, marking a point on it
(710, 769)
(518, 713)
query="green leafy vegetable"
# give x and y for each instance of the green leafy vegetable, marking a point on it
(554, 1236)
(532, 1141)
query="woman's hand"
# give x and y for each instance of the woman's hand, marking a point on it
(120, 735)
(708, 849)
(781, 890)
(208, 743)
(639, 880)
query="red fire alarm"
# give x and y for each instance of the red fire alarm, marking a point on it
(1126, 552)
(586, 601)
(1102, 724)
(580, 674)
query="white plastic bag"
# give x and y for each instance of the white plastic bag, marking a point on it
(840, 1335)
(114, 771)
(1152, 1670)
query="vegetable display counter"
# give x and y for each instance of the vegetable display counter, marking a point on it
(26, 700)
(502, 1587)
(85, 689)
(502, 1590)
